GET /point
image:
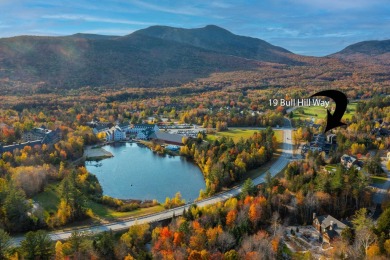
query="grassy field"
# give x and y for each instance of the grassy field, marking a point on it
(237, 134)
(49, 200)
(104, 212)
(320, 112)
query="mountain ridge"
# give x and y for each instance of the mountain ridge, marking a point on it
(137, 59)
(154, 56)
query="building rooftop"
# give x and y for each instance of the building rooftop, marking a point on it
(331, 225)
(174, 138)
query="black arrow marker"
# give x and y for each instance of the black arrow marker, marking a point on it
(341, 100)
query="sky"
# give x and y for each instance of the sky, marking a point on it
(307, 27)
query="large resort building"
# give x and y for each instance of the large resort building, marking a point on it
(143, 131)
(43, 134)
(123, 131)
(36, 137)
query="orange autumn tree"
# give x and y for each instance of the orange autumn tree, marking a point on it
(231, 218)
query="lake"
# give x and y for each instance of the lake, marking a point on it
(135, 172)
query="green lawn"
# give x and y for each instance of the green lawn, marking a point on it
(104, 212)
(237, 134)
(320, 112)
(49, 200)
(279, 135)
(351, 110)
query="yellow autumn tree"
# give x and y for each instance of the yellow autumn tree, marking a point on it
(63, 213)
(59, 251)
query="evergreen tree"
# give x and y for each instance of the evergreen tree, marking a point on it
(248, 188)
(104, 245)
(5, 244)
(37, 245)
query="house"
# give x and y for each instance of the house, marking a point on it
(347, 161)
(167, 138)
(320, 142)
(329, 227)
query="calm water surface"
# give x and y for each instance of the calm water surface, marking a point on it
(135, 172)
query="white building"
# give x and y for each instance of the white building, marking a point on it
(143, 131)
(115, 134)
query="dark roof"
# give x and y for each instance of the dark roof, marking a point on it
(325, 222)
(100, 127)
(144, 125)
(174, 138)
(126, 124)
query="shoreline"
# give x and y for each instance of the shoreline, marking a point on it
(93, 154)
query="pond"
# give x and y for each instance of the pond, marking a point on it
(135, 172)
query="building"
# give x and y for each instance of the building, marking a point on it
(124, 126)
(20, 146)
(143, 131)
(320, 143)
(115, 134)
(347, 161)
(329, 227)
(100, 128)
(167, 138)
(42, 134)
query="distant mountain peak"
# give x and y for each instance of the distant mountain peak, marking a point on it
(216, 28)
(376, 47)
(215, 38)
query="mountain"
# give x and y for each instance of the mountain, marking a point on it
(366, 51)
(372, 48)
(222, 41)
(156, 56)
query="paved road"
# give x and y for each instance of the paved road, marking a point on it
(279, 164)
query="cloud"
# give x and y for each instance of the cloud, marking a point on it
(339, 4)
(89, 18)
(187, 10)
(220, 4)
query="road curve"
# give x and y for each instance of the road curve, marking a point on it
(280, 163)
